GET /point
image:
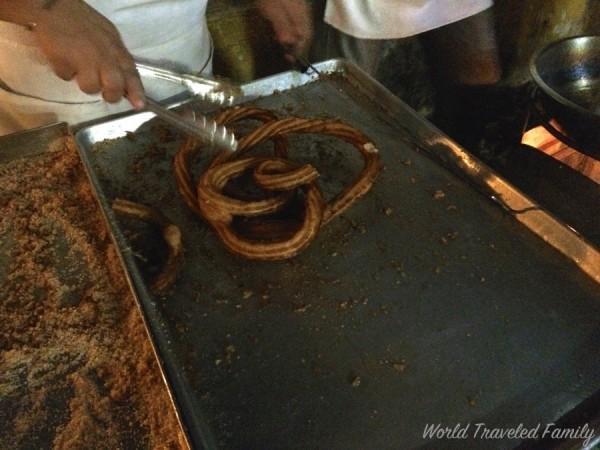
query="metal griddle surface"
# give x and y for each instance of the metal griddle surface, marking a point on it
(408, 310)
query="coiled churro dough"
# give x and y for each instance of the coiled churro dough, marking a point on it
(276, 175)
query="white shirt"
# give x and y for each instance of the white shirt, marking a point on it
(173, 30)
(393, 19)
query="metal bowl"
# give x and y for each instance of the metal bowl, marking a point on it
(567, 73)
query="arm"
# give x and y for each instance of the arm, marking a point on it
(80, 44)
(292, 24)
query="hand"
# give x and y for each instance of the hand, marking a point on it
(292, 23)
(82, 44)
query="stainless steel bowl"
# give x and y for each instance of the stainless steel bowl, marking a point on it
(567, 73)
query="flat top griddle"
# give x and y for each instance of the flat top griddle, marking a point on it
(424, 303)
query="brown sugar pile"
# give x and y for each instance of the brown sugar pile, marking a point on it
(76, 367)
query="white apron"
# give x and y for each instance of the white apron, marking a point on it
(160, 31)
(394, 19)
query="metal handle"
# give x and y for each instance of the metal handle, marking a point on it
(216, 92)
(169, 75)
(203, 128)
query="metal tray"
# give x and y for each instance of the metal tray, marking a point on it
(413, 308)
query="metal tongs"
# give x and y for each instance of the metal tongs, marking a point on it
(211, 91)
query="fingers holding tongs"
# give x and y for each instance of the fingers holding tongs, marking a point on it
(304, 65)
(301, 62)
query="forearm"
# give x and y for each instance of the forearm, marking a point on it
(292, 24)
(25, 12)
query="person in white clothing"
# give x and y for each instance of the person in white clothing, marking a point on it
(356, 30)
(73, 60)
(457, 38)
